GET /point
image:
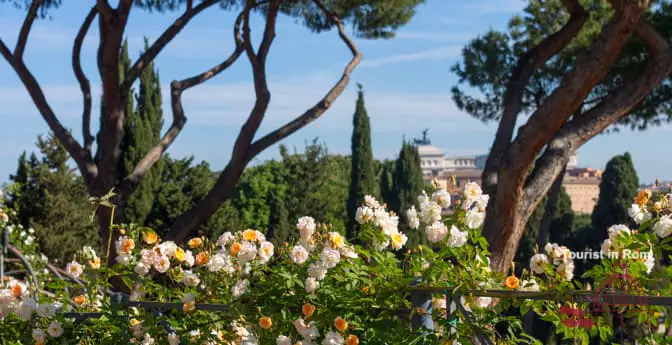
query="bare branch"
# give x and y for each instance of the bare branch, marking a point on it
(179, 119)
(84, 84)
(590, 69)
(81, 157)
(269, 31)
(165, 38)
(25, 29)
(520, 76)
(613, 107)
(318, 109)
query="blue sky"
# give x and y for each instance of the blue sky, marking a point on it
(407, 82)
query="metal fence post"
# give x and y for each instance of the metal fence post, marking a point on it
(421, 302)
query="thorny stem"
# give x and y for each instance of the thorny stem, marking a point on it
(109, 235)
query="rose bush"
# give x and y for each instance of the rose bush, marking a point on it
(323, 289)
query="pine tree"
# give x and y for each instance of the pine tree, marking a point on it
(363, 179)
(618, 189)
(49, 197)
(142, 131)
(408, 184)
(279, 227)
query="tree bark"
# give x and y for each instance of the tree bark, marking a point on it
(512, 206)
(520, 77)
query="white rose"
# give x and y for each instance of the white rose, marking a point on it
(74, 269)
(442, 198)
(436, 232)
(141, 268)
(538, 263)
(191, 279)
(412, 218)
(457, 238)
(55, 329)
(266, 250)
(663, 227)
(317, 270)
(283, 340)
(299, 254)
(311, 284)
(248, 251)
(330, 257)
(474, 218)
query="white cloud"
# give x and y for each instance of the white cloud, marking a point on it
(425, 55)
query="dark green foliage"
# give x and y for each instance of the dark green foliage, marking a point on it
(386, 183)
(280, 230)
(142, 130)
(618, 189)
(489, 60)
(183, 184)
(254, 191)
(407, 185)
(311, 183)
(561, 231)
(49, 197)
(363, 179)
(368, 18)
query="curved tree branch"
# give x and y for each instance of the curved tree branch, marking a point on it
(150, 54)
(25, 29)
(506, 224)
(84, 84)
(318, 109)
(81, 157)
(614, 107)
(179, 118)
(528, 63)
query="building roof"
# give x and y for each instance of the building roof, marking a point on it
(429, 150)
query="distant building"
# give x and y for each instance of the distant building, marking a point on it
(582, 184)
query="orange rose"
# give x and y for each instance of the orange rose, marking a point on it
(340, 324)
(150, 237)
(308, 309)
(235, 248)
(265, 322)
(643, 197)
(512, 282)
(202, 258)
(127, 246)
(352, 340)
(17, 290)
(79, 300)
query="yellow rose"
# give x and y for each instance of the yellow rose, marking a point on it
(179, 254)
(150, 237)
(195, 242)
(250, 235)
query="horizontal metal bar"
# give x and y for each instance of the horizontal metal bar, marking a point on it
(150, 306)
(581, 296)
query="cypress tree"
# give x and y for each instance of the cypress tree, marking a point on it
(363, 179)
(408, 184)
(386, 183)
(618, 189)
(142, 131)
(279, 227)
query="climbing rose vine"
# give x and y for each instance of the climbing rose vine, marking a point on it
(322, 289)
